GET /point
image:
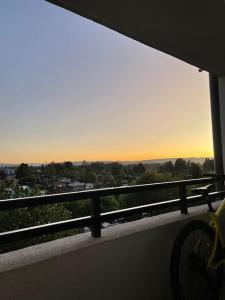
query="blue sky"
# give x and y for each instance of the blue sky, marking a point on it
(71, 89)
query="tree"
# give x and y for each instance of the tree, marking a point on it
(116, 168)
(142, 198)
(84, 163)
(97, 167)
(68, 165)
(180, 165)
(139, 169)
(195, 170)
(27, 217)
(23, 171)
(208, 165)
(109, 203)
(90, 176)
(167, 167)
(108, 180)
(2, 175)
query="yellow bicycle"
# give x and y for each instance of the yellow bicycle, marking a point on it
(198, 255)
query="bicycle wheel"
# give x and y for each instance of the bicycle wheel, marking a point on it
(190, 278)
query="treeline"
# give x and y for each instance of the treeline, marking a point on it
(110, 174)
(187, 168)
(99, 173)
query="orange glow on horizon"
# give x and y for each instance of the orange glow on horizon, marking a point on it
(60, 157)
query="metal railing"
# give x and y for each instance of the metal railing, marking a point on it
(97, 218)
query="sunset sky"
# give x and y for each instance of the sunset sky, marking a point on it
(71, 89)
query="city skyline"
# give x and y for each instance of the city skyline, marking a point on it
(71, 89)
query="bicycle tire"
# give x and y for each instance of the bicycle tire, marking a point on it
(186, 262)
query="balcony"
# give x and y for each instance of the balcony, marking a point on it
(129, 260)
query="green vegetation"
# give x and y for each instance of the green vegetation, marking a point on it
(65, 177)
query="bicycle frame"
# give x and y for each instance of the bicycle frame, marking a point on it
(215, 217)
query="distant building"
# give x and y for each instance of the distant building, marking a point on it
(80, 186)
(6, 173)
(65, 180)
(25, 188)
(43, 192)
(89, 186)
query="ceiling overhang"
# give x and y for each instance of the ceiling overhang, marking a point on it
(193, 31)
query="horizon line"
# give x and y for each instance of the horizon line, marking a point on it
(108, 160)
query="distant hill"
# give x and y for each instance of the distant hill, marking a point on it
(5, 165)
(150, 161)
(146, 161)
(163, 160)
(8, 165)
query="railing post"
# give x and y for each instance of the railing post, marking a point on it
(183, 199)
(96, 226)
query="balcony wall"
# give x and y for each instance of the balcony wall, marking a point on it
(130, 261)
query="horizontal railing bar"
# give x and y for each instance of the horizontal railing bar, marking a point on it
(109, 216)
(31, 232)
(72, 196)
(35, 231)
(127, 212)
(213, 197)
(216, 194)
